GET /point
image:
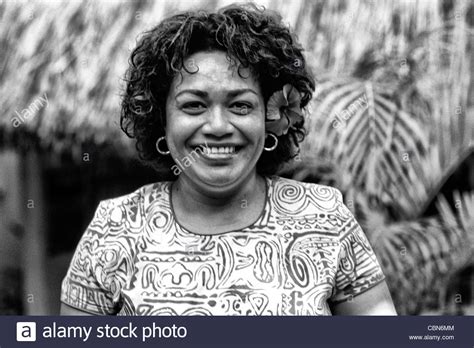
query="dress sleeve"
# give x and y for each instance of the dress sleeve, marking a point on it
(90, 284)
(358, 268)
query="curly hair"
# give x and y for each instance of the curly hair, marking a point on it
(252, 38)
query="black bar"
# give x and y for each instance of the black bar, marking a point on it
(291, 332)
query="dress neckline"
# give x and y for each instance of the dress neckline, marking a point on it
(266, 207)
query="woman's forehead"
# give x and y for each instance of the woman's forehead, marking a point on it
(213, 70)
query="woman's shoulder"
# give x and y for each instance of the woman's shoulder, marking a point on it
(309, 204)
(299, 188)
(297, 199)
(137, 198)
(129, 207)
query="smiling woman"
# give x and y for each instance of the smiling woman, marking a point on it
(221, 97)
(223, 111)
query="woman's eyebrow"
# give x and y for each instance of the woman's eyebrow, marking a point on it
(197, 92)
(236, 92)
(203, 94)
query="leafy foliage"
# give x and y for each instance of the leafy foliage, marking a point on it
(392, 154)
(371, 138)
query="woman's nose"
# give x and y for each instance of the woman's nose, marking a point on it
(217, 123)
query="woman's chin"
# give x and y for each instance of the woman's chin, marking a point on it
(218, 178)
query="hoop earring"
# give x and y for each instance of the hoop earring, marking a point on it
(160, 151)
(275, 140)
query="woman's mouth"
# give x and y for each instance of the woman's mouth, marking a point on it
(217, 152)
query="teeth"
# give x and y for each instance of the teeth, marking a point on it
(219, 150)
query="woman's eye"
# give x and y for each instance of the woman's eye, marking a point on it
(194, 107)
(241, 108)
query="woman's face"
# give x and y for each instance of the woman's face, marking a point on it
(219, 110)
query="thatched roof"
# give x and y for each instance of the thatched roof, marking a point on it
(61, 63)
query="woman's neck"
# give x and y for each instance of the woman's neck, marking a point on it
(210, 213)
(192, 197)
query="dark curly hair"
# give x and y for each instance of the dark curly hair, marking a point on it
(253, 38)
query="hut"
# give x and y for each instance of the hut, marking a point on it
(391, 125)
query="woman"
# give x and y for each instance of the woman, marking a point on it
(216, 99)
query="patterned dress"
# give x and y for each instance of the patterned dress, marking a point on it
(305, 251)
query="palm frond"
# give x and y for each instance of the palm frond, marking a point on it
(368, 136)
(420, 258)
